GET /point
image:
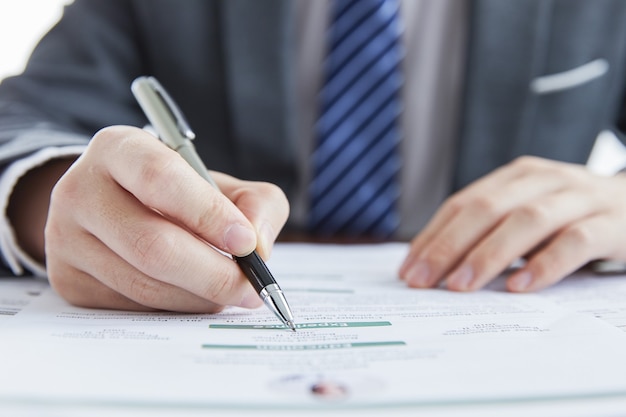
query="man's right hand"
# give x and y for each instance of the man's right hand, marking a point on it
(132, 226)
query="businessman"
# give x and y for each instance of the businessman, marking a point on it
(494, 114)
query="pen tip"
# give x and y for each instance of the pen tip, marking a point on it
(292, 326)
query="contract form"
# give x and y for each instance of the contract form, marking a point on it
(364, 341)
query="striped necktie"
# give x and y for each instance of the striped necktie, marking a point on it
(354, 186)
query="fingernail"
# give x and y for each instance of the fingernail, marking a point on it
(418, 275)
(239, 240)
(461, 278)
(520, 281)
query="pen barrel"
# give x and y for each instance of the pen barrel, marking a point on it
(189, 154)
(173, 130)
(255, 269)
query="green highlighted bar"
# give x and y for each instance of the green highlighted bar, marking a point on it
(328, 325)
(292, 348)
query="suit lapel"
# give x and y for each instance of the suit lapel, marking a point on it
(506, 37)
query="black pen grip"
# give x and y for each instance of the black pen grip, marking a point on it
(255, 269)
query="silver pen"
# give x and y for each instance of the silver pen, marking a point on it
(172, 128)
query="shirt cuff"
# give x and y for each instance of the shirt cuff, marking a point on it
(12, 254)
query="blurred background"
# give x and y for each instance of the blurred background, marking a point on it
(23, 22)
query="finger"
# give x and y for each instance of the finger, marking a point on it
(264, 204)
(162, 180)
(455, 204)
(153, 245)
(531, 224)
(120, 277)
(539, 173)
(476, 213)
(162, 250)
(83, 290)
(571, 248)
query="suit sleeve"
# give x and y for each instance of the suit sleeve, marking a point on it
(76, 82)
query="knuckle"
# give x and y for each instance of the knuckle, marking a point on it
(219, 285)
(214, 210)
(440, 253)
(272, 191)
(154, 250)
(527, 163)
(578, 235)
(572, 174)
(454, 204)
(154, 174)
(154, 166)
(143, 291)
(478, 204)
(277, 195)
(565, 171)
(114, 132)
(531, 214)
(112, 137)
(104, 135)
(69, 190)
(485, 205)
(53, 234)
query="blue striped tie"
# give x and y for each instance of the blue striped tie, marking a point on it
(354, 187)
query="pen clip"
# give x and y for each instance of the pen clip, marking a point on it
(172, 108)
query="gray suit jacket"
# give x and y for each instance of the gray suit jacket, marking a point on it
(229, 65)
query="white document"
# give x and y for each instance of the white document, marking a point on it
(17, 293)
(364, 340)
